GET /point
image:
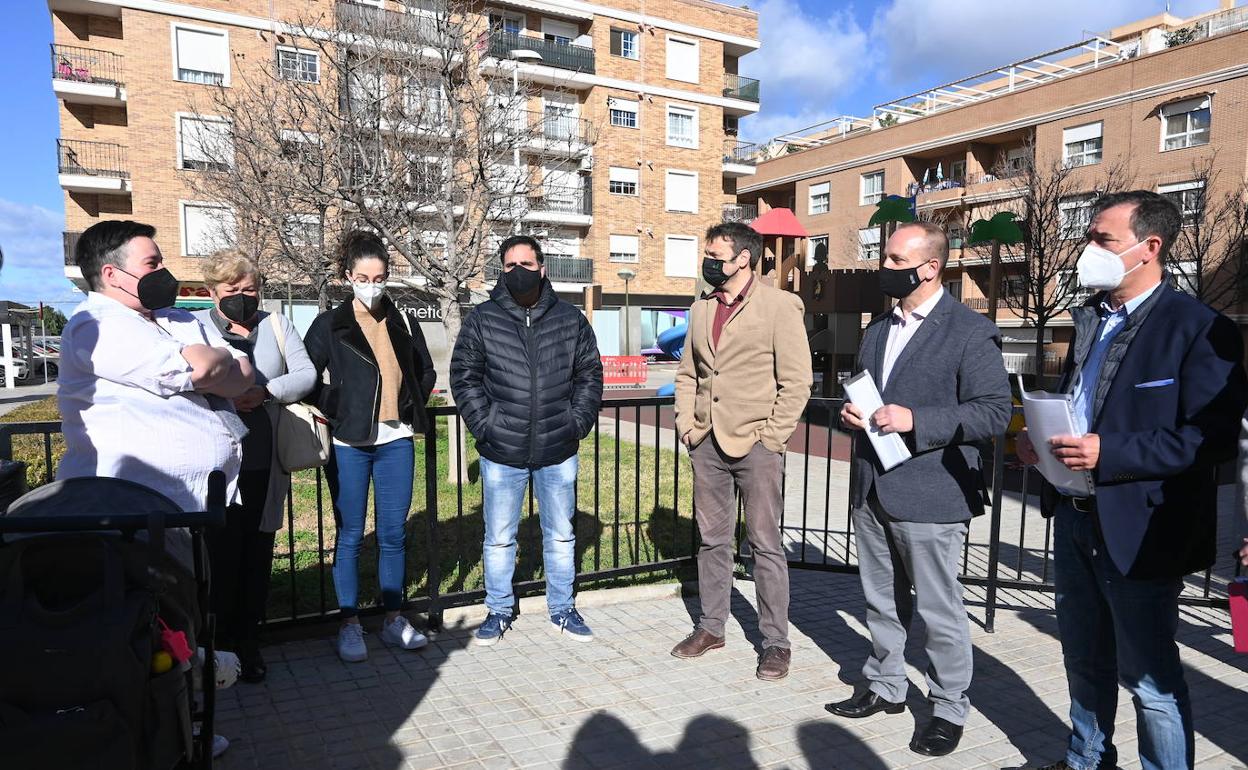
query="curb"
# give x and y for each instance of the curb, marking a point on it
(471, 616)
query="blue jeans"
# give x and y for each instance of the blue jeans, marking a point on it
(503, 490)
(1118, 629)
(389, 466)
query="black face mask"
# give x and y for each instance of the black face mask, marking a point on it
(239, 308)
(523, 284)
(157, 290)
(899, 284)
(713, 272)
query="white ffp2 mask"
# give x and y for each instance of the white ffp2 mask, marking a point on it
(369, 294)
(1101, 269)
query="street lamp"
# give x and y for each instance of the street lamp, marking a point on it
(517, 56)
(627, 275)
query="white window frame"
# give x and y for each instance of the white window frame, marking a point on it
(174, 26)
(1184, 275)
(697, 58)
(819, 190)
(689, 111)
(303, 219)
(1076, 141)
(576, 31)
(621, 254)
(667, 203)
(183, 206)
(1076, 295)
(869, 246)
(1185, 107)
(1072, 203)
(508, 16)
(636, 183)
(1189, 215)
(316, 56)
(667, 259)
(636, 43)
(620, 104)
(812, 243)
(870, 198)
(177, 130)
(954, 173)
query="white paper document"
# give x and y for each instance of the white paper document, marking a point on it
(862, 393)
(1048, 415)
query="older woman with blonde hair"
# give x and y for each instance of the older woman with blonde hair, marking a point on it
(241, 554)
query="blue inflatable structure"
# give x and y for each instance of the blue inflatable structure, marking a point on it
(672, 342)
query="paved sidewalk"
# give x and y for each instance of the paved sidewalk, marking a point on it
(623, 701)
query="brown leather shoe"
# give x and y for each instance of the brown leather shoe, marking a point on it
(698, 643)
(773, 664)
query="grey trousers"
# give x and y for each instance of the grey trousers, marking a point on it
(758, 475)
(895, 557)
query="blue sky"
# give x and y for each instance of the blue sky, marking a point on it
(818, 60)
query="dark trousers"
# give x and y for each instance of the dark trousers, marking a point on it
(241, 558)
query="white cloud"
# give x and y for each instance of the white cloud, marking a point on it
(33, 269)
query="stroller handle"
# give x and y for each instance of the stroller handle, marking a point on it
(213, 516)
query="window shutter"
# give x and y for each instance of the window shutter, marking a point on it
(201, 51)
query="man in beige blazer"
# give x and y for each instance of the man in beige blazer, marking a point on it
(742, 385)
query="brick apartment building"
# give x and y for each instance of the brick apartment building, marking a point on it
(1163, 95)
(656, 83)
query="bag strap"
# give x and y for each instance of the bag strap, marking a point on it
(280, 334)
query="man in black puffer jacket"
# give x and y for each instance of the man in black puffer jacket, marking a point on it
(527, 379)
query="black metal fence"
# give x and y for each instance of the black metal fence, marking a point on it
(87, 65)
(568, 56)
(558, 268)
(634, 515)
(738, 87)
(75, 156)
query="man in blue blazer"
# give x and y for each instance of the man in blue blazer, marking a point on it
(1158, 390)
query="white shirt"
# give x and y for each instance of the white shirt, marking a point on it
(901, 330)
(128, 406)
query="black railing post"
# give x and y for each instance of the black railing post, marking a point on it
(431, 508)
(994, 537)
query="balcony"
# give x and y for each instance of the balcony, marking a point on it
(87, 76)
(954, 191)
(744, 213)
(743, 88)
(740, 159)
(567, 56)
(92, 167)
(559, 269)
(433, 31)
(558, 134)
(569, 205)
(1025, 363)
(69, 239)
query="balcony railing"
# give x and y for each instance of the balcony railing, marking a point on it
(562, 199)
(86, 65)
(92, 158)
(568, 56)
(740, 212)
(558, 269)
(436, 31)
(740, 153)
(554, 127)
(738, 87)
(70, 240)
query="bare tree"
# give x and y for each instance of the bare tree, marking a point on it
(1210, 257)
(410, 124)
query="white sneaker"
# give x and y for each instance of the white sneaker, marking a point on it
(226, 665)
(351, 643)
(399, 633)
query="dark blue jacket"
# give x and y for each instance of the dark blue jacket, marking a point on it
(1167, 413)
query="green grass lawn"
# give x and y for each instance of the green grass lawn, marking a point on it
(644, 518)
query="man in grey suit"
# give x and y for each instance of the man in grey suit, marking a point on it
(939, 368)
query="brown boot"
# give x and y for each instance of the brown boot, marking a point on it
(773, 664)
(696, 644)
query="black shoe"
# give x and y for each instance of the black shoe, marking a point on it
(939, 738)
(864, 705)
(251, 662)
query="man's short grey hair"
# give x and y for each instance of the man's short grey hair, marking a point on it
(935, 238)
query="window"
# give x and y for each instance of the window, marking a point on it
(559, 32)
(1185, 124)
(816, 250)
(201, 56)
(623, 248)
(732, 125)
(1016, 160)
(204, 144)
(1188, 196)
(1074, 216)
(624, 43)
(422, 101)
(1014, 286)
(293, 64)
(957, 171)
(623, 112)
(622, 181)
(682, 126)
(304, 230)
(364, 91)
(682, 191)
(954, 288)
(1073, 293)
(820, 198)
(957, 236)
(299, 143)
(206, 228)
(682, 59)
(872, 187)
(1185, 276)
(869, 244)
(506, 22)
(426, 177)
(560, 119)
(680, 258)
(1081, 145)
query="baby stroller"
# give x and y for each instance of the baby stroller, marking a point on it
(88, 601)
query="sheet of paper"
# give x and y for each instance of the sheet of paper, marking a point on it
(1049, 415)
(862, 393)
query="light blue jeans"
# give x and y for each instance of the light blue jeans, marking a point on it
(1118, 629)
(503, 489)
